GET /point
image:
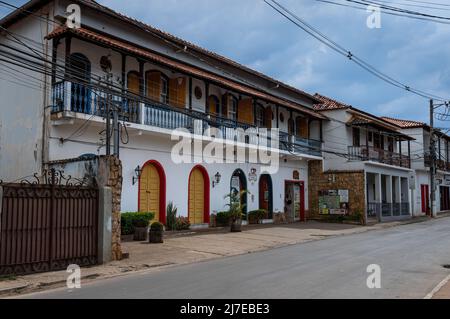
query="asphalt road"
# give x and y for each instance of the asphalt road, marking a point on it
(410, 256)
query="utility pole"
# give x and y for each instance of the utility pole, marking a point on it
(433, 163)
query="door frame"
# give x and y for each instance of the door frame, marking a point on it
(425, 198)
(302, 196)
(270, 188)
(162, 189)
(206, 193)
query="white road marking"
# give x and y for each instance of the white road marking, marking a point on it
(437, 288)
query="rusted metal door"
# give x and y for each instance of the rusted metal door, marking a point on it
(45, 227)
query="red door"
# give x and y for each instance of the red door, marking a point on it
(424, 189)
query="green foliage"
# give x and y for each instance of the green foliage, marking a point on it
(182, 223)
(235, 207)
(171, 212)
(223, 219)
(128, 221)
(156, 226)
(257, 214)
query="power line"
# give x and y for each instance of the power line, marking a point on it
(347, 53)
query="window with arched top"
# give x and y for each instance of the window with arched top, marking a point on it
(80, 71)
(213, 105)
(157, 86)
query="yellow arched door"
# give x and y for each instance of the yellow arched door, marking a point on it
(150, 191)
(196, 197)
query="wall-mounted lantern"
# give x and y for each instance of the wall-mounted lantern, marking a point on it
(216, 180)
(137, 174)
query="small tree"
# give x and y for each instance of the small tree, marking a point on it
(235, 209)
(171, 213)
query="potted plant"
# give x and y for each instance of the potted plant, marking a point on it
(235, 210)
(156, 233)
(136, 224)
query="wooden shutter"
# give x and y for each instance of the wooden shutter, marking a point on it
(212, 105)
(153, 82)
(133, 83)
(268, 117)
(302, 127)
(245, 111)
(177, 92)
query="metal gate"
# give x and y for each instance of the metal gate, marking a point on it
(48, 226)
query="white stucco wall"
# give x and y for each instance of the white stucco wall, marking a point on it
(22, 105)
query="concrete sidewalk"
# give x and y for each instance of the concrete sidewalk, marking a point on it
(194, 247)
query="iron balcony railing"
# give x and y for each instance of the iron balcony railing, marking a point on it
(79, 98)
(364, 153)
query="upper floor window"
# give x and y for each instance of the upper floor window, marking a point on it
(356, 137)
(213, 105)
(260, 112)
(157, 86)
(232, 108)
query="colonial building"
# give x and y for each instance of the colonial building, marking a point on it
(154, 83)
(421, 163)
(366, 168)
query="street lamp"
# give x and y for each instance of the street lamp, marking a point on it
(216, 180)
(137, 174)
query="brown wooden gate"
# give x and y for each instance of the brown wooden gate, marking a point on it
(45, 227)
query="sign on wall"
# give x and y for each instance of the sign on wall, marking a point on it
(333, 202)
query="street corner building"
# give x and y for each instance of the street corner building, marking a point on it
(157, 83)
(66, 84)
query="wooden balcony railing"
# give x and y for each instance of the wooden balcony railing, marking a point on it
(364, 153)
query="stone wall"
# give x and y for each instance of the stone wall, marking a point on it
(354, 181)
(110, 175)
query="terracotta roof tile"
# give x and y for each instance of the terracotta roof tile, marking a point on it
(182, 67)
(404, 123)
(329, 104)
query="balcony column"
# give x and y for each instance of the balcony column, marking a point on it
(378, 194)
(409, 154)
(398, 195)
(389, 197)
(190, 93)
(141, 91)
(278, 116)
(400, 151)
(321, 130)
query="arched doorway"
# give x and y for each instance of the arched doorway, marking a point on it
(198, 205)
(238, 184)
(266, 194)
(80, 71)
(152, 190)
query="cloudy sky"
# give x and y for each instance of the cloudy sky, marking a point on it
(412, 51)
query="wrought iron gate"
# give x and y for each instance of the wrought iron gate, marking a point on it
(48, 224)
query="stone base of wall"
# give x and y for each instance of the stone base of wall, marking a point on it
(110, 175)
(354, 181)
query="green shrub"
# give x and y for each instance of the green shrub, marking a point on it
(128, 221)
(171, 213)
(258, 213)
(223, 219)
(182, 223)
(156, 226)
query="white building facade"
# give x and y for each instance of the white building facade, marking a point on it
(154, 83)
(421, 163)
(357, 141)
